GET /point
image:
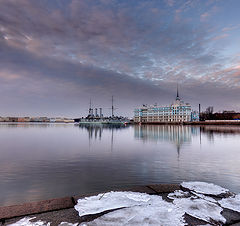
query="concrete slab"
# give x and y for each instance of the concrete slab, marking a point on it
(54, 217)
(237, 224)
(164, 188)
(231, 216)
(142, 189)
(192, 221)
(35, 207)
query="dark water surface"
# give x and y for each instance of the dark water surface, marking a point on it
(42, 161)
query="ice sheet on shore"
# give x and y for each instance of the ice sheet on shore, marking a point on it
(204, 188)
(111, 200)
(158, 213)
(200, 209)
(68, 224)
(145, 209)
(26, 221)
(179, 194)
(232, 203)
(205, 197)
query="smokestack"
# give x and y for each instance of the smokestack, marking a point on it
(199, 111)
(96, 112)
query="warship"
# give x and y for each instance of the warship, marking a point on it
(98, 118)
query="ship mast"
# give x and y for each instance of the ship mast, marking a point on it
(90, 107)
(112, 107)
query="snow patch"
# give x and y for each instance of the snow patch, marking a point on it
(158, 213)
(111, 200)
(26, 221)
(204, 188)
(232, 203)
(201, 209)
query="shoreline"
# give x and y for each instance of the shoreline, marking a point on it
(213, 122)
(15, 212)
(59, 210)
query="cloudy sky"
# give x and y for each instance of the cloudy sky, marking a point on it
(56, 55)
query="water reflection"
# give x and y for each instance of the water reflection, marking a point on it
(175, 134)
(96, 130)
(180, 134)
(32, 125)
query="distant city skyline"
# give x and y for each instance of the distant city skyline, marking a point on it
(56, 55)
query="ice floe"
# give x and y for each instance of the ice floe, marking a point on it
(158, 213)
(26, 221)
(110, 200)
(204, 188)
(232, 203)
(152, 210)
(205, 197)
(68, 224)
(200, 209)
(179, 194)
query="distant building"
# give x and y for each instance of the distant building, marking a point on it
(178, 111)
(194, 116)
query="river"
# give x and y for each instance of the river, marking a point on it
(43, 161)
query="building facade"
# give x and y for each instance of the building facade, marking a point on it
(178, 111)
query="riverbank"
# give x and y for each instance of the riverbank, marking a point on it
(61, 210)
(210, 122)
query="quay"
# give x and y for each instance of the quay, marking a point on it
(60, 210)
(197, 123)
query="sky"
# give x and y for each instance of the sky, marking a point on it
(56, 55)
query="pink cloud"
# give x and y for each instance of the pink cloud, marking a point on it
(9, 76)
(230, 28)
(222, 36)
(204, 16)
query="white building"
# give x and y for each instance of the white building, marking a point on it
(178, 111)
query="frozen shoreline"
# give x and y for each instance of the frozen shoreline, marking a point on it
(150, 201)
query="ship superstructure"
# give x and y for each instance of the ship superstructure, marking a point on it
(95, 115)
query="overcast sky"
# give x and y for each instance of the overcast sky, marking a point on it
(56, 55)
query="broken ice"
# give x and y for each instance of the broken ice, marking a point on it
(26, 221)
(159, 212)
(110, 200)
(200, 209)
(232, 203)
(204, 188)
(178, 194)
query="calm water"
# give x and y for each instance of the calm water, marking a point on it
(42, 161)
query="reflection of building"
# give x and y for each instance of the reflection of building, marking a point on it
(176, 134)
(176, 112)
(212, 130)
